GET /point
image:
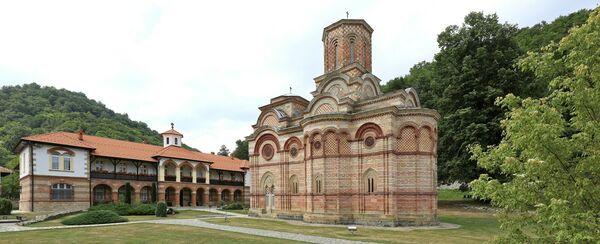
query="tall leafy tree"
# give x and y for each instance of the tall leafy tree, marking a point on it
(475, 66)
(241, 151)
(551, 149)
(223, 151)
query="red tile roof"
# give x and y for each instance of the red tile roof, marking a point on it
(106, 147)
(172, 132)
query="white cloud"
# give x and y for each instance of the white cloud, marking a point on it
(208, 66)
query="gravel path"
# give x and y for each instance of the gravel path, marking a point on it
(251, 231)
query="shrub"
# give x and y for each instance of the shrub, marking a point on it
(94, 217)
(235, 206)
(119, 208)
(142, 209)
(161, 209)
(5, 206)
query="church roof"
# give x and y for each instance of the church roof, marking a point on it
(172, 132)
(106, 147)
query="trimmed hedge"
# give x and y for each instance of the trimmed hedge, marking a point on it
(142, 209)
(127, 209)
(118, 207)
(161, 209)
(5, 206)
(94, 217)
(235, 206)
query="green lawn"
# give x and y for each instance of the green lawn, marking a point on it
(184, 214)
(451, 195)
(134, 233)
(476, 227)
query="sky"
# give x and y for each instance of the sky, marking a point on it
(208, 65)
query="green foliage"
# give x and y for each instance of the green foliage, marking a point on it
(475, 66)
(31, 109)
(120, 208)
(235, 206)
(10, 184)
(241, 151)
(550, 150)
(540, 35)
(5, 206)
(124, 209)
(420, 77)
(223, 151)
(153, 193)
(161, 209)
(94, 217)
(142, 209)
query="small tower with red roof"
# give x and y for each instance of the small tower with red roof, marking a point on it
(172, 137)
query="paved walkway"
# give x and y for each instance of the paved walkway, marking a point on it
(251, 231)
(196, 223)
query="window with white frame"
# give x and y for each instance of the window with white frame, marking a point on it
(61, 191)
(55, 161)
(66, 162)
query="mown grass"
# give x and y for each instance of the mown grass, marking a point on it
(476, 226)
(451, 195)
(135, 233)
(184, 214)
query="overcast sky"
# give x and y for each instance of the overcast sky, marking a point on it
(208, 66)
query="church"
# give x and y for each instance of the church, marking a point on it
(65, 171)
(350, 155)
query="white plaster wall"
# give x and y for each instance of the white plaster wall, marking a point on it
(171, 140)
(24, 163)
(41, 159)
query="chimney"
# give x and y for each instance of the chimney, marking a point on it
(231, 155)
(213, 153)
(81, 134)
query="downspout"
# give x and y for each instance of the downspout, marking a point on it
(91, 159)
(32, 174)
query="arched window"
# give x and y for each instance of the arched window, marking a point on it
(175, 141)
(294, 184)
(352, 49)
(60, 158)
(369, 178)
(335, 54)
(167, 141)
(146, 194)
(318, 185)
(144, 169)
(61, 191)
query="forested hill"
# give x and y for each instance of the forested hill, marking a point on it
(478, 62)
(32, 109)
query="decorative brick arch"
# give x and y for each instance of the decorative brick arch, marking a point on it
(262, 139)
(366, 128)
(290, 141)
(57, 150)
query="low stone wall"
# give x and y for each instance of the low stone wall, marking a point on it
(49, 216)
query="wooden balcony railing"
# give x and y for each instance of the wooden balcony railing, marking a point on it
(200, 180)
(121, 176)
(170, 178)
(226, 182)
(186, 179)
